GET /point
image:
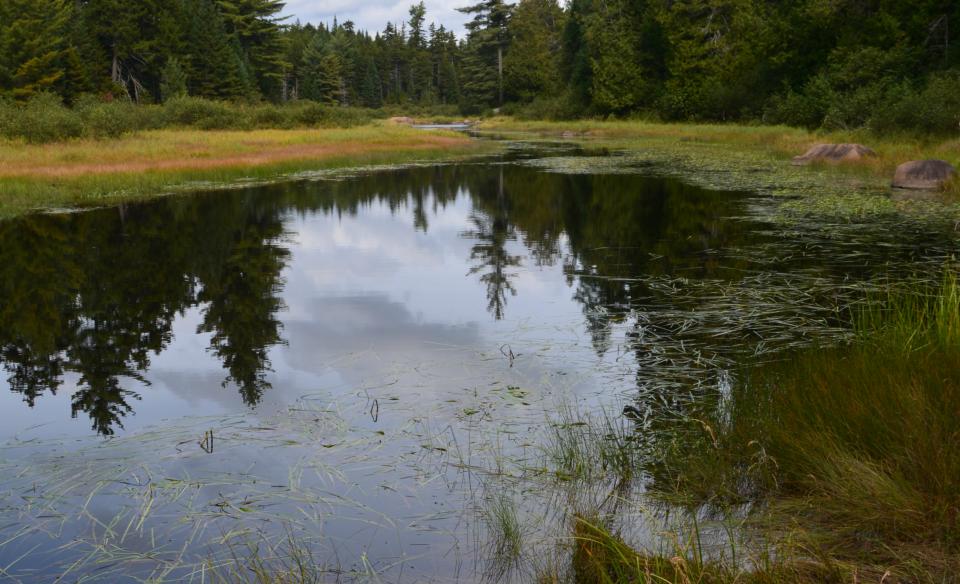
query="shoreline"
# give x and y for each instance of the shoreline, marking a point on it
(780, 143)
(83, 173)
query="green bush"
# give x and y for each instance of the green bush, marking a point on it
(43, 118)
(932, 111)
(271, 116)
(200, 113)
(561, 107)
(46, 119)
(114, 119)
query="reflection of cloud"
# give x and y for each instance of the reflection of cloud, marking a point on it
(372, 16)
(340, 325)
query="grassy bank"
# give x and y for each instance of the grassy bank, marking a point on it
(778, 143)
(88, 172)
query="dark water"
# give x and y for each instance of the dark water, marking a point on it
(370, 353)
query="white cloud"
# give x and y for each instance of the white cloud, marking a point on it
(373, 15)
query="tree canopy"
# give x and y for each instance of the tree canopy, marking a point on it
(833, 63)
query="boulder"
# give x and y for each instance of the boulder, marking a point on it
(923, 174)
(834, 153)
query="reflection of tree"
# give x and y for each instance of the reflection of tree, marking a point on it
(492, 232)
(102, 357)
(243, 302)
(96, 293)
(493, 260)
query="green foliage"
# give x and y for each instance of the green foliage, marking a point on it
(322, 70)
(931, 111)
(483, 58)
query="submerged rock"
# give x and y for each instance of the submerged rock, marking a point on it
(923, 174)
(834, 153)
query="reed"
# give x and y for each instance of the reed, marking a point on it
(853, 448)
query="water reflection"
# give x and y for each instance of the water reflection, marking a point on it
(96, 294)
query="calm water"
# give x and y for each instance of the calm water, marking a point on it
(376, 356)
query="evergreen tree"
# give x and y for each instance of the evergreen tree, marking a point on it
(256, 27)
(215, 70)
(486, 42)
(531, 65)
(173, 80)
(32, 45)
(370, 89)
(321, 73)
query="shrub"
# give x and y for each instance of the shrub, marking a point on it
(200, 113)
(43, 118)
(933, 111)
(114, 119)
(561, 107)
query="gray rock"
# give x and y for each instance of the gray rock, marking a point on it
(923, 174)
(834, 153)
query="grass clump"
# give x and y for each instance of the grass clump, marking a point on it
(600, 556)
(580, 447)
(855, 447)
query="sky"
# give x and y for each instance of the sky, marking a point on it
(373, 15)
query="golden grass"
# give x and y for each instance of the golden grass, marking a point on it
(96, 172)
(182, 149)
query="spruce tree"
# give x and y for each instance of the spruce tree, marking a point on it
(531, 65)
(256, 27)
(215, 67)
(31, 46)
(487, 40)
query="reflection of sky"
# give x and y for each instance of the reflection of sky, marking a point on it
(369, 299)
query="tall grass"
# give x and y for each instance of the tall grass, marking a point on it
(856, 446)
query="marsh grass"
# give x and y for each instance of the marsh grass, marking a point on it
(600, 556)
(778, 143)
(852, 449)
(506, 536)
(588, 448)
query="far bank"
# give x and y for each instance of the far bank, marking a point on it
(83, 173)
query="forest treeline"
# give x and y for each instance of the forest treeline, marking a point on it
(885, 65)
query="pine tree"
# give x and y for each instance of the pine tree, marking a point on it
(215, 67)
(31, 46)
(370, 89)
(487, 40)
(321, 73)
(256, 27)
(531, 65)
(173, 80)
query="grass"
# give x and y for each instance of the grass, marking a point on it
(96, 172)
(852, 449)
(772, 142)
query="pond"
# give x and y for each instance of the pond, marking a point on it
(368, 366)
